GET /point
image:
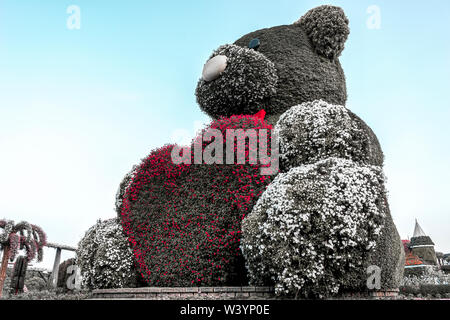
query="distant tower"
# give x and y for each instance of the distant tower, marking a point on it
(422, 246)
(418, 231)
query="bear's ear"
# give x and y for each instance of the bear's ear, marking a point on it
(327, 28)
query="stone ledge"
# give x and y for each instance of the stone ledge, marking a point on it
(155, 292)
(376, 294)
(223, 293)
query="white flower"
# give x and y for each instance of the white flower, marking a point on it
(291, 235)
(104, 256)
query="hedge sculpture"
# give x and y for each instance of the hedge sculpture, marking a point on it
(62, 273)
(105, 258)
(184, 221)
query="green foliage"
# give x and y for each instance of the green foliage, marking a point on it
(425, 275)
(62, 272)
(414, 272)
(36, 281)
(389, 255)
(327, 27)
(18, 275)
(58, 294)
(436, 290)
(421, 241)
(22, 236)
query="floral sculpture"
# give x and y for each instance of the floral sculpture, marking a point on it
(17, 237)
(310, 231)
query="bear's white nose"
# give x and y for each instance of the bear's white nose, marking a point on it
(214, 67)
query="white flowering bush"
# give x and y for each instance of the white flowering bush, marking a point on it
(318, 130)
(105, 258)
(429, 275)
(313, 226)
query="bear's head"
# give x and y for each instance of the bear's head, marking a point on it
(277, 68)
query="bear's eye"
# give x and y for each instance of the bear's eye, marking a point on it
(254, 44)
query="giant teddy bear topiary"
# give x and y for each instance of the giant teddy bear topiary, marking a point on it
(313, 229)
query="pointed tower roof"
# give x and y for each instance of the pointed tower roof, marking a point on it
(418, 231)
(420, 238)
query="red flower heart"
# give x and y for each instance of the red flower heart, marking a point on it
(184, 221)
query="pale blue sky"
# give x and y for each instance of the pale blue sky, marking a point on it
(79, 107)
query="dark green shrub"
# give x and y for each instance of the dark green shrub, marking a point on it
(36, 280)
(62, 273)
(389, 255)
(409, 290)
(434, 289)
(420, 241)
(414, 272)
(18, 275)
(58, 294)
(327, 27)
